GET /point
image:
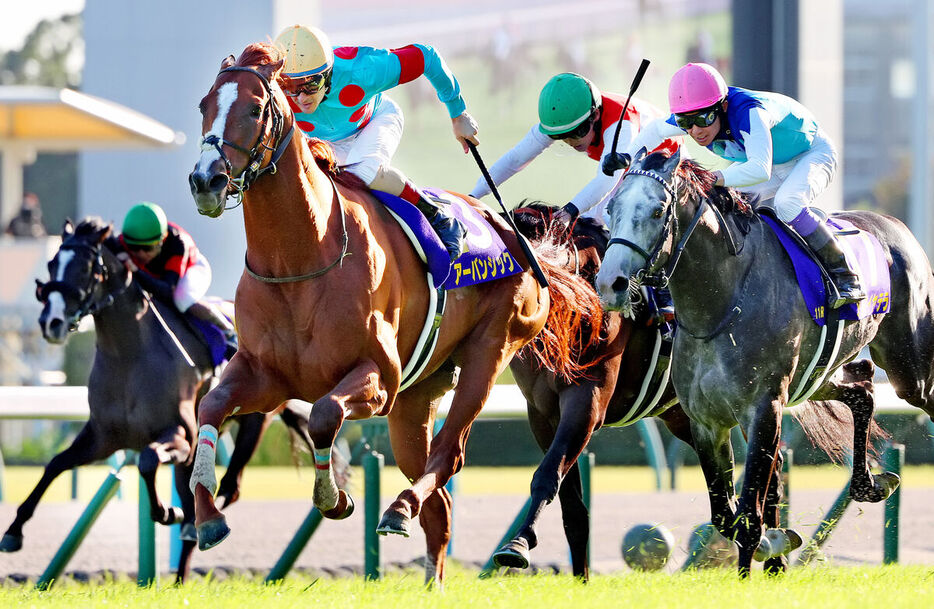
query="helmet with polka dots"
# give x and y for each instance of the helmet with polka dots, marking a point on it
(309, 58)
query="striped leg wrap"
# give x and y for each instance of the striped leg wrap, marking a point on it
(205, 455)
(326, 493)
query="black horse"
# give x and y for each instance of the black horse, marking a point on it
(612, 389)
(150, 370)
(746, 341)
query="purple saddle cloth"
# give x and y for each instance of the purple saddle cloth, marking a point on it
(212, 335)
(486, 259)
(863, 254)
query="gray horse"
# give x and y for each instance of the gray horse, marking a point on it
(143, 390)
(746, 338)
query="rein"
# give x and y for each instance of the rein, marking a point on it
(319, 272)
(254, 168)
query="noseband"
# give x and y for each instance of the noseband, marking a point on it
(254, 168)
(660, 279)
(88, 305)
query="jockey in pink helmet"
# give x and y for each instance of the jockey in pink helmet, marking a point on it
(777, 148)
(337, 95)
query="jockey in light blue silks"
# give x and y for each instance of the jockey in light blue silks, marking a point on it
(336, 95)
(777, 148)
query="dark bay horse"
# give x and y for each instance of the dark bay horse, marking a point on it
(143, 391)
(564, 414)
(331, 305)
(745, 336)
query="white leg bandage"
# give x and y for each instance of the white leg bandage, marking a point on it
(325, 494)
(205, 454)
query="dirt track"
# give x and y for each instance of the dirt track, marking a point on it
(261, 530)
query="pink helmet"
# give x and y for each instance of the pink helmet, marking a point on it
(694, 87)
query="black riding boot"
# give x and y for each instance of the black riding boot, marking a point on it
(824, 244)
(206, 311)
(449, 228)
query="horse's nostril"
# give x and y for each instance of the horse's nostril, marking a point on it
(621, 285)
(195, 182)
(218, 182)
(55, 326)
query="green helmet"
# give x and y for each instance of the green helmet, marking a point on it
(145, 224)
(566, 101)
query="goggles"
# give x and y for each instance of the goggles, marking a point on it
(705, 118)
(308, 86)
(139, 247)
(574, 134)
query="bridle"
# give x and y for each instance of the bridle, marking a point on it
(660, 278)
(254, 168)
(88, 304)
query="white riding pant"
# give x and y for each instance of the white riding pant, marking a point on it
(796, 184)
(193, 285)
(367, 150)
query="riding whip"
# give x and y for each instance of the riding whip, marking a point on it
(614, 161)
(537, 270)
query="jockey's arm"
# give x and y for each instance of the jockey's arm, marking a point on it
(162, 288)
(757, 167)
(601, 185)
(514, 161)
(653, 134)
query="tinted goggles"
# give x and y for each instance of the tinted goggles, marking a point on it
(574, 134)
(701, 119)
(138, 247)
(308, 86)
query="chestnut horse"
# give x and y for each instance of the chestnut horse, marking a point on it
(564, 414)
(332, 302)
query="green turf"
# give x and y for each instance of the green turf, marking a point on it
(889, 587)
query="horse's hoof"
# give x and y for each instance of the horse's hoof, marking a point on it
(777, 542)
(11, 543)
(174, 515)
(343, 509)
(188, 532)
(393, 523)
(883, 485)
(212, 532)
(887, 482)
(514, 554)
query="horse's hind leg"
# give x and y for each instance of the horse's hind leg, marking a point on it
(251, 428)
(410, 428)
(188, 533)
(170, 447)
(856, 391)
(85, 448)
(576, 520)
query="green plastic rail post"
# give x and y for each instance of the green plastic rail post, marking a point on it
(372, 468)
(825, 528)
(654, 449)
(295, 547)
(68, 548)
(586, 462)
(892, 461)
(148, 574)
(785, 500)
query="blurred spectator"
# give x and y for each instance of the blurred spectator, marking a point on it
(28, 222)
(701, 49)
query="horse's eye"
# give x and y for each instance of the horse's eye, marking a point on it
(658, 212)
(256, 110)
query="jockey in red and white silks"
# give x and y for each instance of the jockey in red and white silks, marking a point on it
(572, 109)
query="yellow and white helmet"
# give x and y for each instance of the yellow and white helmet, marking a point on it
(308, 53)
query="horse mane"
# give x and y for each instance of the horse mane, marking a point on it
(700, 183)
(92, 225)
(534, 220)
(259, 54)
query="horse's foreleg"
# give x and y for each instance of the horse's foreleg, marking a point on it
(762, 460)
(360, 395)
(170, 446)
(249, 433)
(240, 389)
(715, 453)
(84, 449)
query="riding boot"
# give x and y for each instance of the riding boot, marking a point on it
(207, 311)
(449, 229)
(823, 243)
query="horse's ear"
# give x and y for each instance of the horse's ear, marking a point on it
(640, 155)
(228, 61)
(103, 233)
(271, 70)
(672, 163)
(67, 228)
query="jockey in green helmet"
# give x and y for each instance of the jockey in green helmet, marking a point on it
(167, 264)
(572, 109)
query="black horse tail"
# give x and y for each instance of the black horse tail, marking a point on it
(575, 318)
(828, 424)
